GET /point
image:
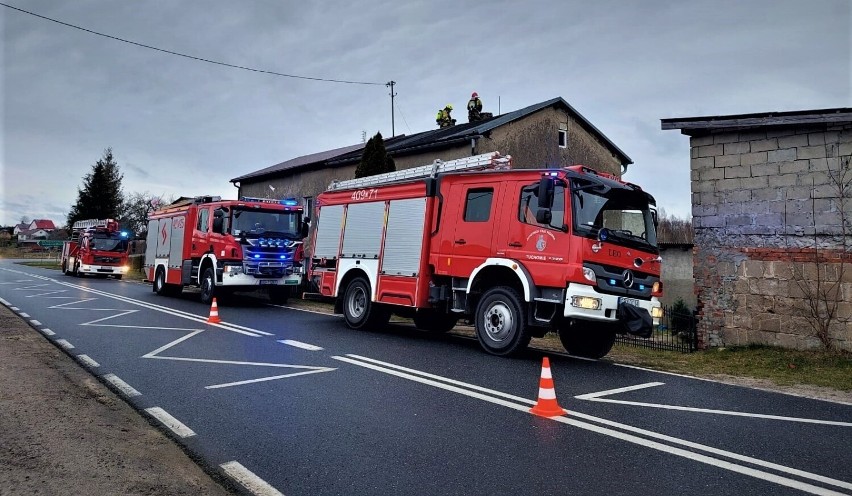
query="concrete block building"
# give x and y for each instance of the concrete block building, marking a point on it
(772, 214)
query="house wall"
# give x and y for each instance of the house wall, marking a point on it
(768, 219)
(677, 277)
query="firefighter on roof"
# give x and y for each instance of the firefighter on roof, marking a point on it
(444, 119)
(474, 108)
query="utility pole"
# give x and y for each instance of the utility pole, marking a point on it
(392, 94)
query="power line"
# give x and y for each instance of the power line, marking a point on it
(200, 59)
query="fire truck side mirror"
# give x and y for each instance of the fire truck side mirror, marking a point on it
(218, 221)
(543, 216)
(306, 227)
(545, 193)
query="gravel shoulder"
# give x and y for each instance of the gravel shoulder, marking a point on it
(63, 432)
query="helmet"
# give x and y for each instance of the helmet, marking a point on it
(474, 95)
(449, 107)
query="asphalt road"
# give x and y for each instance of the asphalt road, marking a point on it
(293, 401)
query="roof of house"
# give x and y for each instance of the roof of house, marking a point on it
(301, 161)
(702, 125)
(436, 139)
(44, 224)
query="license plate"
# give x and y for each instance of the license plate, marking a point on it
(268, 281)
(291, 282)
(632, 301)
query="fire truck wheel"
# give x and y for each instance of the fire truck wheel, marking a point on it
(76, 270)
(117, 277)
(208, 286)
(501, 322)
(160, 282)
(359, 311)
(588, 340)
(64, 267)
(432, 321)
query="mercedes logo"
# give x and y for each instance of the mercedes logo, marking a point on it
(628, 279)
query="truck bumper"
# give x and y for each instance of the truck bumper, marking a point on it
(103, 269)
(239, 279)
(583, 302)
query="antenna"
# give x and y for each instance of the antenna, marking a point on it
(363, 136)
(392, 94)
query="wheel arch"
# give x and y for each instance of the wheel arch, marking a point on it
(501, 272)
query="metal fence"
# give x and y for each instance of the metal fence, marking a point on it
(677, 331)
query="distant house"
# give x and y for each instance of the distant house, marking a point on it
(547, 134)
(6, 233)
(45, 224)
(31, 234)
(19, 228)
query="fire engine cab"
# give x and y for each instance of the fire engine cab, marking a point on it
(518, 253)
(224, 246)
(96, 247)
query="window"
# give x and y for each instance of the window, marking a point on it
(528, 206)
(563, 135)
(477, 205)
(202, 220)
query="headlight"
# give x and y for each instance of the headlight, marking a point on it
(589, 274)
(586, 302)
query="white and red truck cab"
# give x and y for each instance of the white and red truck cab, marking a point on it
(517, 252)
(224, 246)
(97, 247)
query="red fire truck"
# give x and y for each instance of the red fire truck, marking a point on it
(96, 247)
(517, 252)
(224, 246)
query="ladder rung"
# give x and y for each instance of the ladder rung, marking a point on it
(468, 163)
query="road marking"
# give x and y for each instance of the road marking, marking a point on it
(35, 322)
(88, 361)
(65, 344)
(299, 344)
(493, 397)
(169, 345)
(15, 309)
(248, 480)
(599, 398)
(608, 392)
(272, 378)
(24, 315)
(5, 302)
(125, 388)
(47, 332)
(172, 423)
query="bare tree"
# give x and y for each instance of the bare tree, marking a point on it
(822, 287)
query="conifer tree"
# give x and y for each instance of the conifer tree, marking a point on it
(375, 159)
(100, 197)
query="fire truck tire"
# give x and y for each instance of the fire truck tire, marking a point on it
(433, 321)
(500, 322)
(359, 311)
(76, 270)
(117, 277)
(208, 286)
(64, 267)
(587, 340)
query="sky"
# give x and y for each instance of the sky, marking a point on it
(182, 127)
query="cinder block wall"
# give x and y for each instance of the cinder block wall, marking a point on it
(767, 220)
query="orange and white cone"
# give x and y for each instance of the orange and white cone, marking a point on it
(214, 313)
(547, 405)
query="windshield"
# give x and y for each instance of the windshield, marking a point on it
(109, 244)
(256, 223)
(629, 215)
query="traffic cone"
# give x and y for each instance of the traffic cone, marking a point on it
(214, 313)
(547, 405)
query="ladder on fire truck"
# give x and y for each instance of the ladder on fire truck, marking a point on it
(485, 161)
(82, 225)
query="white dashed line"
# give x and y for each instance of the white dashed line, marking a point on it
(88, 361)
(35, 322)
(299, 344)
(125, 388)
(248, 480)
(47, 332)
(5, 302)
(172, 423)
(65, 344)
(15, 309)
(24, 315)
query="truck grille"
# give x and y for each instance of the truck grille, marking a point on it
(107, 260)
